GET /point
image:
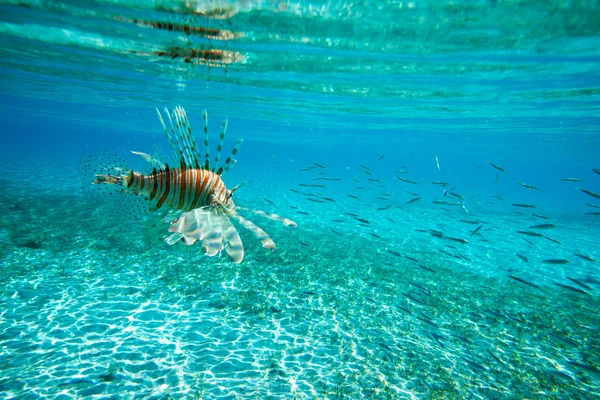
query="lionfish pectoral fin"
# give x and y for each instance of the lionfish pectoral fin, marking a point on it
(266, 241)
(275, 217)
(233, 242)
(193, 225)
(212, 244)
(174, 238)
(154, 226)
(208, 226)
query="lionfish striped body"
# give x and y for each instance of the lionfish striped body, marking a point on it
(195, 190)
(181, 189)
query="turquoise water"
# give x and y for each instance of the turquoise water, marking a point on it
(374, 294)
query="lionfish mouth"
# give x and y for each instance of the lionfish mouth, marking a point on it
(194, 191)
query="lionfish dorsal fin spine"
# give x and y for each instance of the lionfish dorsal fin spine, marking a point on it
(190, 146)
(170, 134)
(185, 148)
(229, 165)
(230, 160)
(206, 147)
(220, 146)
(181, 140)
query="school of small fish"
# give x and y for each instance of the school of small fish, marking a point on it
(370, 185)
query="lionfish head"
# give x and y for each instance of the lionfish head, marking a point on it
(229, 205)
(229, 196)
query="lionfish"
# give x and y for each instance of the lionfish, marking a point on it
(193, 191)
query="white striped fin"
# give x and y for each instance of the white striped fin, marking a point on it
(209, 226)
(260, 234)
(173, 238)
(212, 244)
(285, 221)
(233, 242)
(193, 225)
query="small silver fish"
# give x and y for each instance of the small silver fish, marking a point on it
(522, 257)
(527, 186)
(542, 226)
(555, 261)
(584, 257)
(589, 192)
(571, 180)
(523, 205)
(476, 230)
(497, 167)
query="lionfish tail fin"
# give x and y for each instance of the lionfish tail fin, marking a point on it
(275, 217)
(107, 179)
(103, 168)
(107, 175)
